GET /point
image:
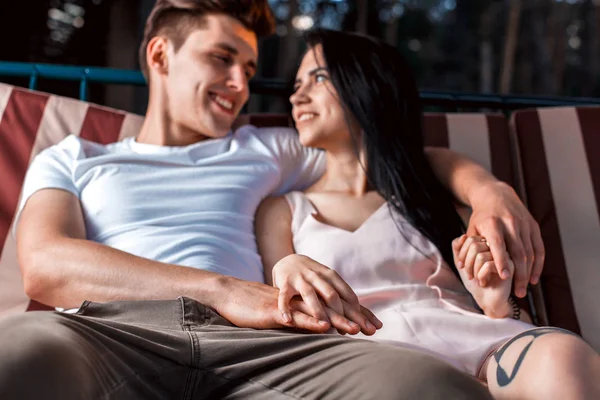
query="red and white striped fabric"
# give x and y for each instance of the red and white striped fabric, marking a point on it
(483, 137)
(560, 161)
(30, 121)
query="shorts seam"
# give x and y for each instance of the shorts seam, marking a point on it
(250, 381)
(190, 381)
(124, 381)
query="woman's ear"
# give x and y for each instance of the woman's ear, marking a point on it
(157, 55)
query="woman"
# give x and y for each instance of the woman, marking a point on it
(380, 220)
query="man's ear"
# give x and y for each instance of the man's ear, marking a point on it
(157, 55)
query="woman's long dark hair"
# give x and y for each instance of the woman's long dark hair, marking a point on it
(376, 87)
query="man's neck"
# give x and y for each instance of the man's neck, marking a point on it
(158, 129)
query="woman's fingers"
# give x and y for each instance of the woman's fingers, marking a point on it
(481, 259)
(457, 245)
(476, 246)
(486, 272)
(365, 319)
(371, 317)
(469, 240)
(326, 291)
(309, 296)
(336, 290)
(283, 303)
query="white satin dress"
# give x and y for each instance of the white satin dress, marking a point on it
(401, 276)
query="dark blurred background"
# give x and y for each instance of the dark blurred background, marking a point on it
(538, 47)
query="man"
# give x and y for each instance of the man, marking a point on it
(168, 215)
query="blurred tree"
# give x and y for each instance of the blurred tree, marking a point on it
(591, 46)
(523, 46)
(363, 17)
(510, 46)
(288, 53)
(486, 46)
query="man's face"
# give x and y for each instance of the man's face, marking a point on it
(206, 83)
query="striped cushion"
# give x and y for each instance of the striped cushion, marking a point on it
(483, 137)
(30, 121)
(562, 185)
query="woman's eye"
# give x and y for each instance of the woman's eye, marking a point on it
(320, 78)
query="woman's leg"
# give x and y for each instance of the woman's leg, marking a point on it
(545, 363)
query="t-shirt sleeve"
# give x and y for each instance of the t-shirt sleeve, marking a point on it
(299, 166)
(50, 169)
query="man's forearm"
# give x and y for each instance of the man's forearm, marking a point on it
(460, 175)
(68, 271)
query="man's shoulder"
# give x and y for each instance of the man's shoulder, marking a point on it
(76, 148)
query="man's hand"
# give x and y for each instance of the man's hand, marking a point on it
(512, 233)
(255, 305)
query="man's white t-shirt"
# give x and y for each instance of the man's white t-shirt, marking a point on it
(192, 206)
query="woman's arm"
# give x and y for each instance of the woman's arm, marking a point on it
(273, 225)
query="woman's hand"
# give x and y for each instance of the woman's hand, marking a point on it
(480, 275)
(297, 275)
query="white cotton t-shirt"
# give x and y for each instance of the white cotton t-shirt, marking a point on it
(192, 206)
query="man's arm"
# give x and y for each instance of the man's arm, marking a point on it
(61, 268)
(498, 215)
(462, 176)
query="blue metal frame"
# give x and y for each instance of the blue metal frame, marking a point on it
(84, 75)
(448, 100)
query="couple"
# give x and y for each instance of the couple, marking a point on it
(117, 232)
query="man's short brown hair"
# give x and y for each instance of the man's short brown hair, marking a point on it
(175, 19)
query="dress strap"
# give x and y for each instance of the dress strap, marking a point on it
(301, 208)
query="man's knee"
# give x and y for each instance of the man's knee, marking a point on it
(39, 352)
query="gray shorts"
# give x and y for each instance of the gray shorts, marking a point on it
(181, 349)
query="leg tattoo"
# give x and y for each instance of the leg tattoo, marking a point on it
(502, 377)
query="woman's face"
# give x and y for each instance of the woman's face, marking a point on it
(316, 110)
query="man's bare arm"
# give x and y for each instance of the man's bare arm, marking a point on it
(459, 174)
(61, 268)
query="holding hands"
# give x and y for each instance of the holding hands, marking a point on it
(511, 232)
(489, 286)
(325, 294)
